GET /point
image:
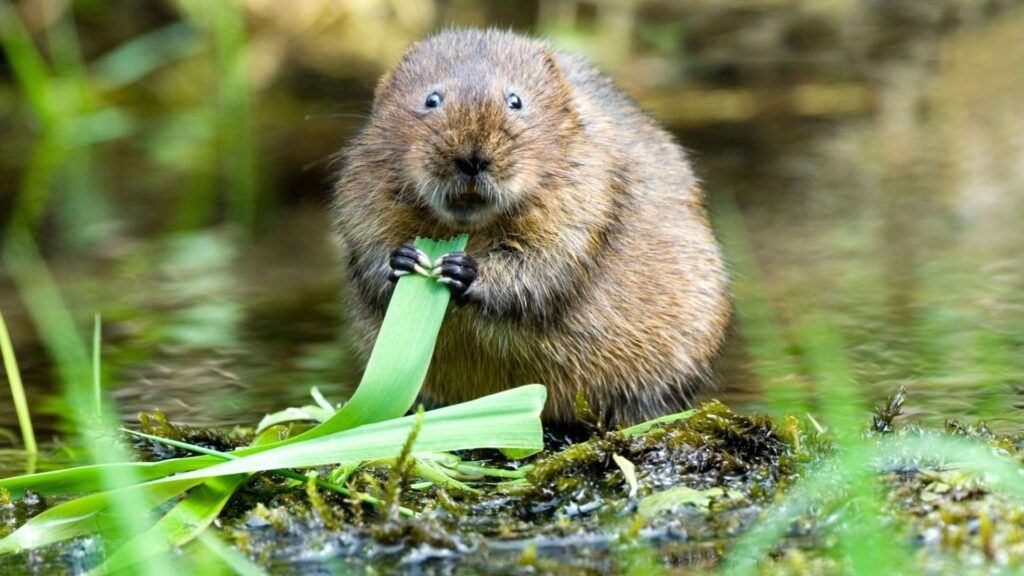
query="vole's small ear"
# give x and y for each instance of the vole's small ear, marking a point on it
(389, 77)
(551, 62)
(559, 90)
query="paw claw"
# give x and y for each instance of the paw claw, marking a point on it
(457, 271)
(408, 259)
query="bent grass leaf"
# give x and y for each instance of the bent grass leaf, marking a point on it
(401, 355)
(84, 479)
(179, 525)
(509, 419)
(89, 514)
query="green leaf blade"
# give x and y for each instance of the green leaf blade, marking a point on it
(84, 479)
(509, 419)
(186, 520)
(88, 514)
(404, 347)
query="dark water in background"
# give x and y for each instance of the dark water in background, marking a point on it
(894, 203)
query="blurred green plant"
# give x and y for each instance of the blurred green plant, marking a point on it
(28, 435)
(224, 23)
(60, 337)
(868, 539)
(75, 108)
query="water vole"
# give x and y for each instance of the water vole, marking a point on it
(590, 266)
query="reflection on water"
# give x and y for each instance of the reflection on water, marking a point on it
(900, 218)
(905, 226)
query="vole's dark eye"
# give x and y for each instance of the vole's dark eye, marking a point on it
(433, 100)
(514, 102)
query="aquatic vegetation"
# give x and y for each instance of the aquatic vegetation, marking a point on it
(800, 496)
(702, 479)
(28, 436)
(368, 427)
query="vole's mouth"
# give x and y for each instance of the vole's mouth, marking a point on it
(466, 203)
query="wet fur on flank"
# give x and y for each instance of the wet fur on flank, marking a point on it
(598, 271)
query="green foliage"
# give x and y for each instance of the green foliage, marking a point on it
(403, 350)
(868, 541)
(366, 428)
(28, 435)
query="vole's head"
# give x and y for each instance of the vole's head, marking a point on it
(475, 123)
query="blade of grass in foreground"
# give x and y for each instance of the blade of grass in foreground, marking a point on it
(93, 478)
(401, 355)
(182, 523)
(28, 436)
(57, 329)
(90, 514)
(509, 419)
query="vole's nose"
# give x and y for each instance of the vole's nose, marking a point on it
(472, 165)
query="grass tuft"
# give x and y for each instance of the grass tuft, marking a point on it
(28, 435)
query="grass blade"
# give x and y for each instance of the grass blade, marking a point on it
(224, 22)
(401, 355)
(84, 479)
(28, 435)
(30, 71)
(133, 60)
(509, 419)
(90, 514)
(180, 525)
(97, 381)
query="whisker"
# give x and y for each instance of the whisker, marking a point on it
(361, 116)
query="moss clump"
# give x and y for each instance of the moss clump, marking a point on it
(156, 424)
(711, 448)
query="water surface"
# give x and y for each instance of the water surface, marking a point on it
(891, 203)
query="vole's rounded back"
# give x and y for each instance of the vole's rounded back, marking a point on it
(597, 271)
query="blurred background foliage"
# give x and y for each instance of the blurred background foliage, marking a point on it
(171, 162)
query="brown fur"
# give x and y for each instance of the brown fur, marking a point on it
(598, 272)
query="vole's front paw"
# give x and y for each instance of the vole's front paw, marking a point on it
(457, 271)
(408, 259)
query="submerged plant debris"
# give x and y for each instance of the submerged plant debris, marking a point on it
(689, 488)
